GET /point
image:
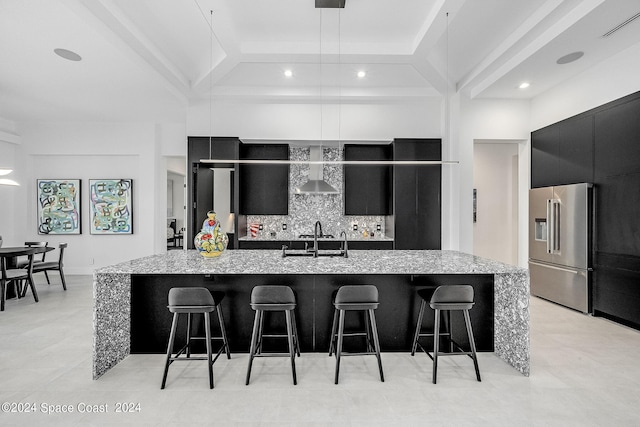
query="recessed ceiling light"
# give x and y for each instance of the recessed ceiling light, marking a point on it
(574, 56)
(524, 85)
(361, 74)
(67, 54)
(288, 73)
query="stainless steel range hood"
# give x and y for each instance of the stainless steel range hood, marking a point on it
(316, 183)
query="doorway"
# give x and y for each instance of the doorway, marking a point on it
(176, 181)
(495, 212)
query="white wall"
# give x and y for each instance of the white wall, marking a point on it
(495, 234)
(605, 82)
(85, 151)
(490, 119)
(7, 194)
(303, 121)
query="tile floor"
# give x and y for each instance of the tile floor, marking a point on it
(585, 371)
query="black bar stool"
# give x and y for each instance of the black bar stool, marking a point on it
(189, 301)
(273, 298)
(355, 298)
(446, 299)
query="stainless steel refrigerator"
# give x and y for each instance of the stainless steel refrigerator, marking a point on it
(561, 244)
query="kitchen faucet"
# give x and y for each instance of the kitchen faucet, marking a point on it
(314, 249)
(344, 247)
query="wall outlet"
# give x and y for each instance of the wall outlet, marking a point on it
(378, 227)
(355, 227)
(284, 226)
(91, 261)
(260, 227)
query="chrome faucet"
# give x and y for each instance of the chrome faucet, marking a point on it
(344, 247)
(315, 238)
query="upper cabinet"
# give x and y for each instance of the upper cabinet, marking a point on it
(368, 188)
(264, 188)
(563, 153)
(417, 190)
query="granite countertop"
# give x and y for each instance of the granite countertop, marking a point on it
(278, 238)
(400, 262)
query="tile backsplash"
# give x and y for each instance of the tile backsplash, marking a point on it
(306, 209)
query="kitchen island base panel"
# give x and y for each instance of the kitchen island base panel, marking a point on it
(399, 306)
(121, 290)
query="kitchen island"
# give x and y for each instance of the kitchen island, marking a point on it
(130, 298)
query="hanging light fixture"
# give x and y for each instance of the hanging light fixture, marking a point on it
(315, 183)
(6, 181)
(318, 163)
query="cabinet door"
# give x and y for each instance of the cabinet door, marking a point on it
(264, 189)
(544, 156)
(367, 188)
(417, 192)
(575, 150)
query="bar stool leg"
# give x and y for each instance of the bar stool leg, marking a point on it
(436, 343)
(223, 331)
(416, 336)
(254, 341)
(188, 335)
(334, 331)
(261, 331)
(376, 341)
(172, 336)
(207, 331)
(339, 344)
(292, 349)
(367, 330)
(295, 333)
(472, 343)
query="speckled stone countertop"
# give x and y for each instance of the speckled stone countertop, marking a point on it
(112, 289)
(279, 237)
(271, 262)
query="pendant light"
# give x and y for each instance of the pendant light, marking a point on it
(6, 181)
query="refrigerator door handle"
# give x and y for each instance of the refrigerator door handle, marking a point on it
(553, 267)
(553, 226)
(550, 227)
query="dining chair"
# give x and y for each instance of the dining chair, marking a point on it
(17, 275)
(43, 267)
(22, 263)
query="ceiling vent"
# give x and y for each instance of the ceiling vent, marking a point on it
(611, 31)
(322, 4)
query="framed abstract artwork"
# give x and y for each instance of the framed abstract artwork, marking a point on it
(111, 204)
(59, 206)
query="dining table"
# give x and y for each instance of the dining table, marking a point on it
(8, 260)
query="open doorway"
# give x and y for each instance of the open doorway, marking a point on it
(495, 183)
(176, 180)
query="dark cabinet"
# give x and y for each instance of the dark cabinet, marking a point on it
(601, 146)
(200, 178)
(368, 188)
(264, 188)
(417, 190)
(563, 153)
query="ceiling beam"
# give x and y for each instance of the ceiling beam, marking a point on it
(433, 29)
(520, 55)
(115, 26)
(490, 60)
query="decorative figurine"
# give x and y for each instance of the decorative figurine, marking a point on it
(211, 240)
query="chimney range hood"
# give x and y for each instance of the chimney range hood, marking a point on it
(316, 183)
